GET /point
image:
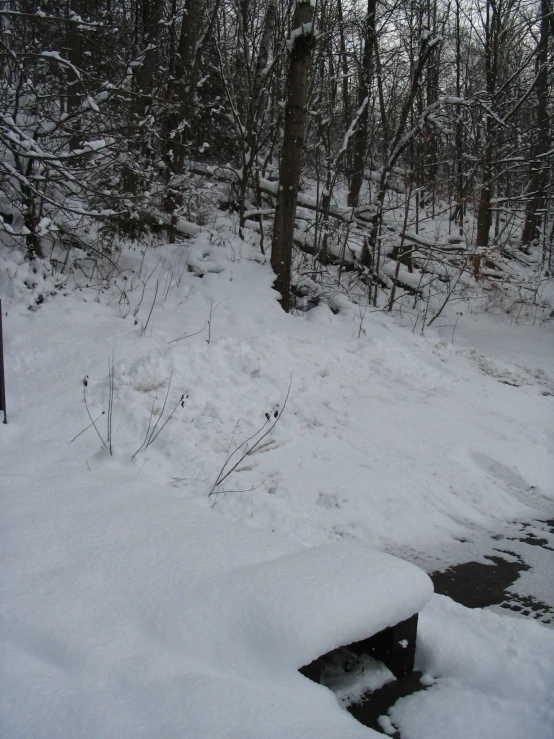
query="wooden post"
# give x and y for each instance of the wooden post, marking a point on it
(2, 384)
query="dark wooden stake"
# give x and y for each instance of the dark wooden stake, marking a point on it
(2, 384)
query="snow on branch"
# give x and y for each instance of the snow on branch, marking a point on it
(57, 57)
(306, 29)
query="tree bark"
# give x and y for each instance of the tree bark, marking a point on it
(398, 145)
(344, 69)
(360, 138)
(301, 44)
(182, 90)
(539, 176)
(74, 85)
(186, 79)
(143, 84)
(196, 27)
(254, 115)
(484, 213)
(491, 32)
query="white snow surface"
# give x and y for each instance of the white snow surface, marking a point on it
(495, 677)
(135, 615)
(130, 607)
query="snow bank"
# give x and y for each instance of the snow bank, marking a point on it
(129, 609)
(491, 676)
(138, 615)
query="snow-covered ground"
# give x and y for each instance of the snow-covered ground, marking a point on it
(134, 603)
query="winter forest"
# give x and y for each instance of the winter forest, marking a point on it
(118, 118)
(276, 369)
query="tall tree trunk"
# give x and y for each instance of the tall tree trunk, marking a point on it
(74, 84)
(484, 213)
(360, 137)
(458, 215)
(143, 85)
(491, 32)
(186, 79)
(381, 94)
(431, 148)
(182, 91)
(257, 96)
(399, 143)
(344, 69)
(539, 176)
(301, 45)
(196, 27)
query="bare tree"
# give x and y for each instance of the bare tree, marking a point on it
(539, 163)
(400, 141)
(301, 43)
(143, 85)
(361, 135)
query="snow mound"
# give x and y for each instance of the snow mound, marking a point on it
(128, 608)
(316, 600)
(491, 676)
(140, 616)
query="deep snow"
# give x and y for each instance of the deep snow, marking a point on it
(131, 605)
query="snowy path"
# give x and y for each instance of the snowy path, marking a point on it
(518, 354)
(517, 574)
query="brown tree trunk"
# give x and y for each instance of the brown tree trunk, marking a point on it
(344, 69)
(251, 142)
(74, 85)
(301, 44)
(430, 148)
(196, 26)
(539, 177)
(398, 145)
(186, 79)
(484, 213)
(492, 32)
(143, 85)
(458, 215)
(182, 91)
(360, 137)
(381, 94)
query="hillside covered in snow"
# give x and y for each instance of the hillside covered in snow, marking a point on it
(147, 592)
(277, 312)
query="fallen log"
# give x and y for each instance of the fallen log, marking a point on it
(270, 187)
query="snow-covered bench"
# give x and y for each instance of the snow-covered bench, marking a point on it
(394, 645)
(313, 601)
(370, 605)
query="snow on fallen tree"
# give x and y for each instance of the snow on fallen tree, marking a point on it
(448, 257)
